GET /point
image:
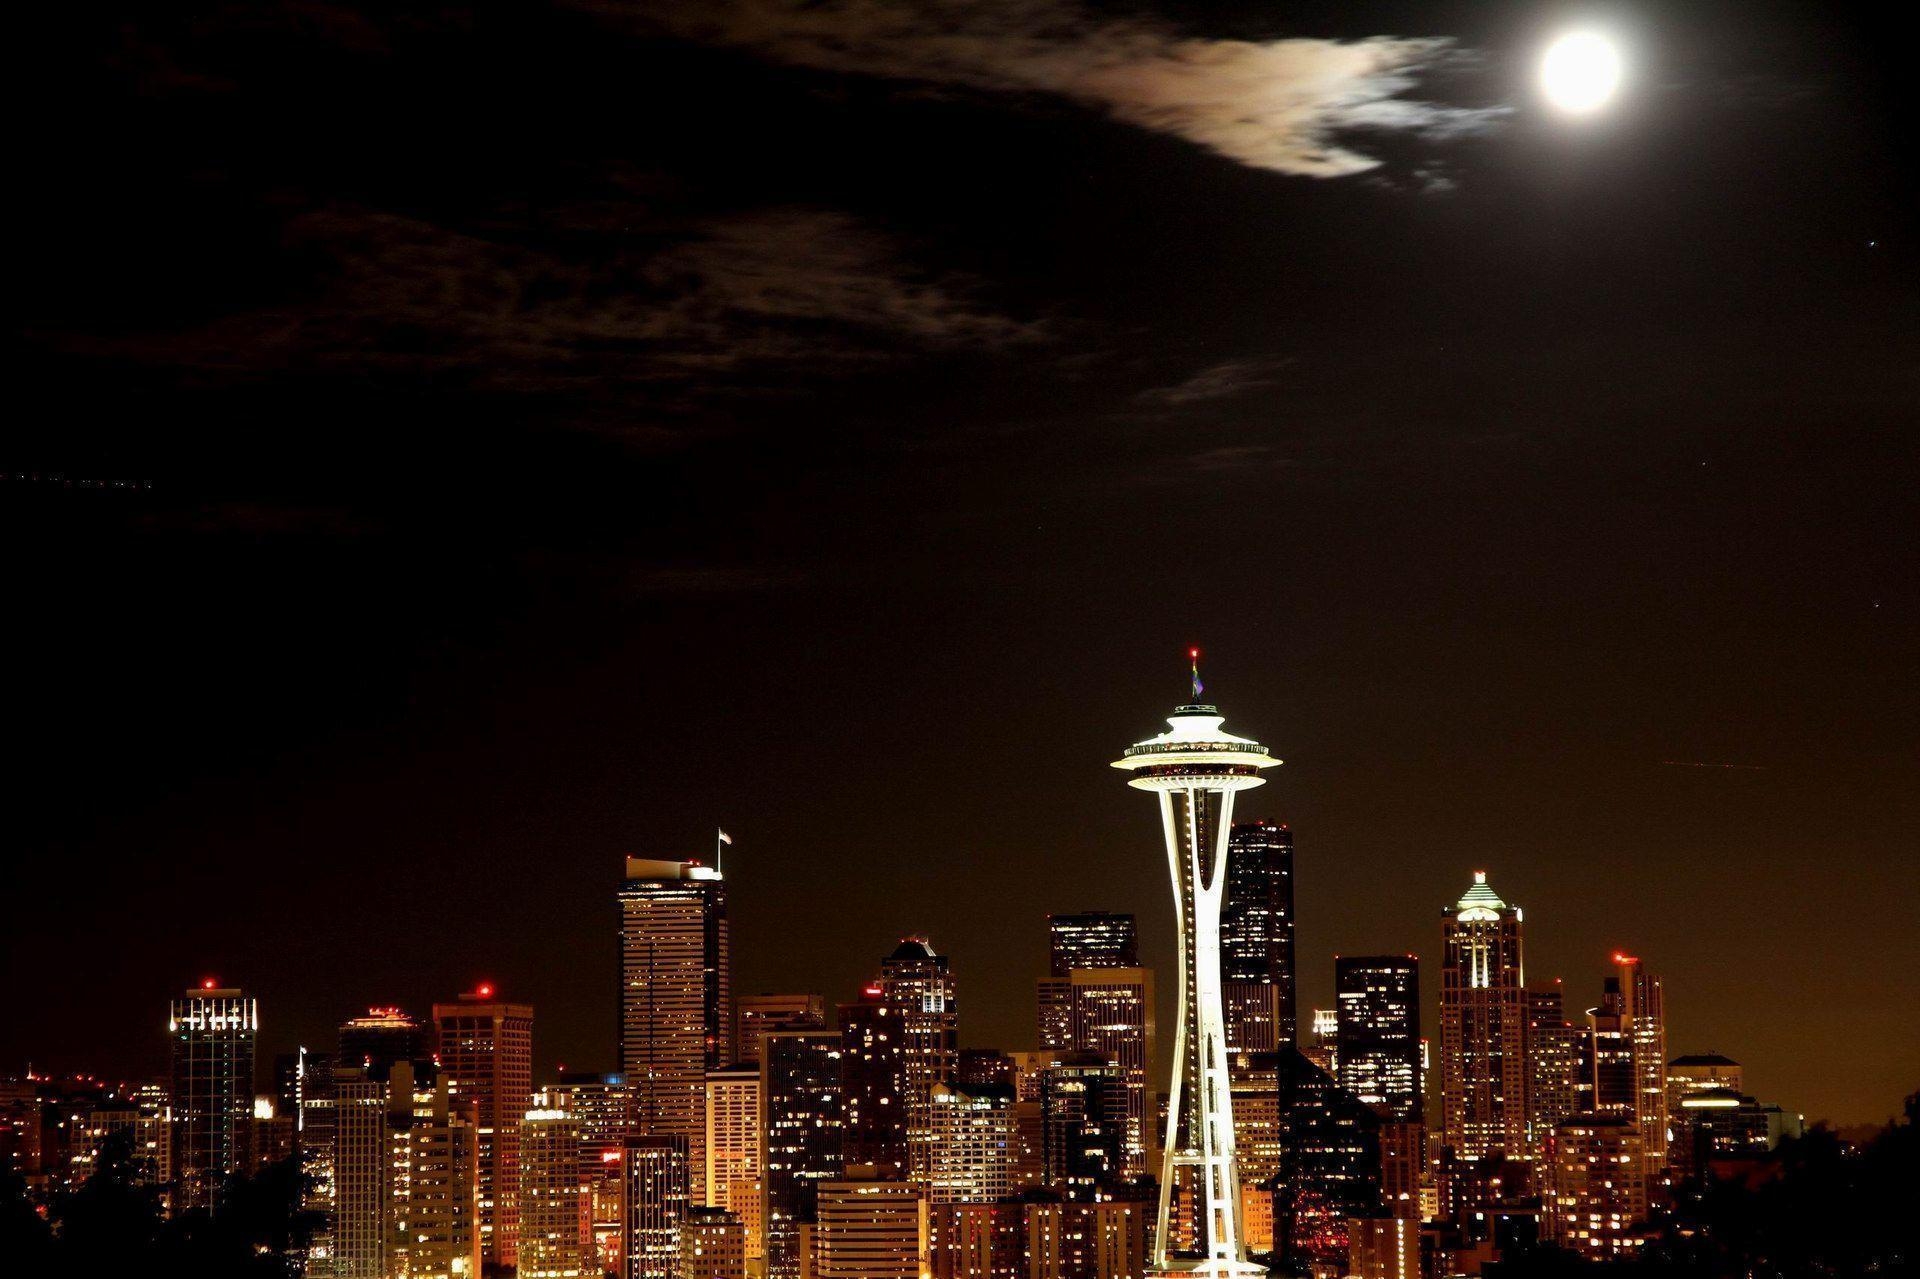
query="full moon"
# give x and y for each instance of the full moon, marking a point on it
(1580, 72)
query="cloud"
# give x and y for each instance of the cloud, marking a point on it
(1217, 382)
(1285, 105)
(783, 288)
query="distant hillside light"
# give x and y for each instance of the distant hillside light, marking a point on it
(1580, 72)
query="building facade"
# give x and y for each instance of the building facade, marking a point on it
(486, 1048)
(1483, 1019)
(1377, 998)
(1257, 939)
(213, 1032)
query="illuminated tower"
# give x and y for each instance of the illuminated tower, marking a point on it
(213, 1029)
(486, 1046)
(1483, 1027)
(1196, 767)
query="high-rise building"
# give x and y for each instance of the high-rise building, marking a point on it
(1483, 1026)
(713, 1245)
(1196, 768)
(1553, 1068)
(656, 1177)
(873, 1083)
(1383, 1248)
(920, 984)
(603, 1105)
(1258, 1129)
(1322, 1045)
(303, 1088)
(1645, 1004)
(974, 1144)
(1697, 1072)
(1091, 939)
(1377, 998)
(676, 1003)
(381, 1038)
(802, 1116)
(1083, 1123)
(1329, 1167)
(406, 1174)
(871, 1230)
(213, 1029)
(555, 1238)
(736, 1154)
(1113, 1015)
(1256, 938)
(756, 1015)
(1598, 1195)
(486, 1047)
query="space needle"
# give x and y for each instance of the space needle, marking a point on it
(1196, 767)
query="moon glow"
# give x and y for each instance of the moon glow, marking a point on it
(1580, 72)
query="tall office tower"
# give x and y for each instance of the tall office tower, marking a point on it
(873, 1084)
(555, 1238)
(486, 1046)
(713, 1245)
(1329, 1166)
(1377, 998)
(974, 1144)
(1322, 1046)
(800, 1102)
(1599, 1187)
(406, 1174)
(1256, 938)
(757, 1015)
(736, 1154)
(1607, 1075)
(383, 1037)
(1403, 1164)
(920, 984)
(303, 1088)
(213, 1030)
(1113, 1015)
(1083, 1124)
(1196, 768)
(1698, 1072)
(1090, 939)
(1258, 1124)
(1645, 1005)
(1553, 1067)
(656, 1174)
(871, 1230)
(979, 1067)
(604, 1106)
(1483, 1027)
(676, 1001)
(1383, 1248)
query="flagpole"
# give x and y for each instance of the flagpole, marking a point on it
(719, 851)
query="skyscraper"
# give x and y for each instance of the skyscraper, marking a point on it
(1483, 1026)
(1553, 1068)
(736, 1150)
(676, 1009)
(406, 1172)
(555, 1239)
(920, 984)
(1196, 768)
(1626, 1065)
(756, 1015)
(1598, 1183)
(973, 1145)
(656, 1175)
(871, 1230)
(1378, 1001)
(801, 1105)
(873, 1084)
(1256, 938)
(1090, 939)
(1113, 1016)
(486, 1047)
(213, 1029)
(383, 1037)
(603, 1105)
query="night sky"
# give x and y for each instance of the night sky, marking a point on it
(560, 430)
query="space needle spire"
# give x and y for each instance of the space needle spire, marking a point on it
(1196, 767)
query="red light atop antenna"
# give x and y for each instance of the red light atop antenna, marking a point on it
(485, 990)
(1193, 653)
(211, 983)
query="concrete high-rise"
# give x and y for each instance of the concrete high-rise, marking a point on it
(676, 1003)
(974, 1144)
(1597, 1194)
(555, 1239)
(736, 1149)
(919, 982)
(1377, 998)
(755, 1016)
(486, 1047)
(873, 1084)
(1553, 1068)
(1196, 768)
(1483, 1027)
(214, 1031)
(1088, 939)
(1256, 939)
(870, 1229)
(1113, 1015)
(406, 1174)
(603, 1105)
(656, 1178)
(802, 1116)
